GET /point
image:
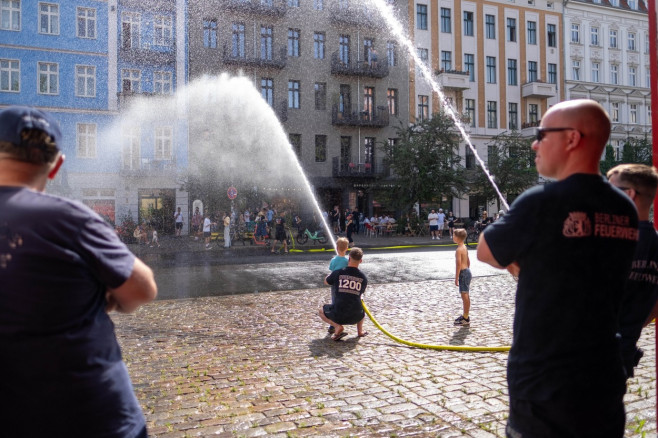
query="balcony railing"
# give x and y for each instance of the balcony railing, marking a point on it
(149, 55)
(126, 98)
(538, 89)
(348, 67)
(279, 62)
(454, 79)
(344, 168)
(361, 16)
(275, 8)
(136, 166)
(354, 116)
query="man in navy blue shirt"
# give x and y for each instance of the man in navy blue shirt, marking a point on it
(571, 244)
(62, 268)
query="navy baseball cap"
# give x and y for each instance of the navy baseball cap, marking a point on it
(16, 119)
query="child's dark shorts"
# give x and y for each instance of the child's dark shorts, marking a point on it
(464, 280)
(328, 310)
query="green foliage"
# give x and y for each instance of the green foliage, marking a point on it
(126, 228)
(511, 162)
(609, 160)
(426, 162)
(636, 150)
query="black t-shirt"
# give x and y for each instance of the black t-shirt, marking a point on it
(640, 293)
(62, 369)
(280, 225)
(347, 286)
(574, 241)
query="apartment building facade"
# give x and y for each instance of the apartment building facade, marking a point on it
(499, 64)
(607, 59)
(331, 71)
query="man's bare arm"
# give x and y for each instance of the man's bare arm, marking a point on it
(138, 289)
(484, 253)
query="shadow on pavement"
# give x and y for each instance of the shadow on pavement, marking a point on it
(332, 349)
(459, 336)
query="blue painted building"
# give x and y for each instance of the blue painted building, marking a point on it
(86, 61)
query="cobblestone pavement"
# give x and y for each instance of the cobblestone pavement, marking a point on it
(263, 365)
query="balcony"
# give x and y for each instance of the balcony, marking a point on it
(359, 117)
(538, 89)
(453, 79)
(277, 62)
(359, 68)
(342, 168)
(356, 16)
(127, 97)
(529, 129)
(275, 8)
(147, 55)
(143, 167)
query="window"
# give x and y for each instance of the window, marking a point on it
(131, 80)
(646, 43)
(492, 114)
(10, 15)
(513, 116)
(595, 71)
(594, 36)
(210, 34)
(345, 99)
(533, 113)
(131, 148)
(423, 55)
(647, 77)
(48, 78)
(293, 94)
(130, 28)
(293, 42)
(344, 49)
(162, 82)
(423, 108)
(86, 140)
(86, 23)
(162, 31)
(266, 33)
(392, 100)
(490, 26)
(491, 69)
(469, 108)
(532, 71)
(368, 47)
(532, 32)
(391, 53)
(318, 5)
(551, 34)
(293, 3)
(296, 143)
(318, 45)
(632, 114)
(164, 138)
(468, 23)
(469, 158)
(320, 148)
(320, 96)
(421, 17)
(469, 64)
(552, 73)
(614, 112)
(511, 29)
(446, 25)
(575, 70)
(631, 41)
(632, 76)
(614, 74)
(575, 33)
(85, 81)
(369, 152)
(267, 90)
(369, 101)
(613, 39)
(10, 75)
(238, 40)
(48, 18)
(446, 60)
(512, 74)
(632, 4)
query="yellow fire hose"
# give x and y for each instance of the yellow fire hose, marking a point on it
(431, 347)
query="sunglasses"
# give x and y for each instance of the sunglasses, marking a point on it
(541, 132)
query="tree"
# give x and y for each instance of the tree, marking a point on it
(637, 150)
(511, 163)
(609, 161)
(426, 162)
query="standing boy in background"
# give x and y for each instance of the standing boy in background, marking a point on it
(462, 275)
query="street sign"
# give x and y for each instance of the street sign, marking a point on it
(232, 192)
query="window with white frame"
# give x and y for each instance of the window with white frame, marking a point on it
(162, 82)
(48, 77)
(130, 150)
(631, 41)
(10, 15)
(632, 4)
(594, 36)
(595, 71)
(131, 80)
(532, 71)
(210, 34)
(392, 100)
(492, 114)
(491, 69)
(647, 77)
(238, 40)
(86, 140)
(86, 20)
(423, 54)
(533, 113)
(469, 65)
(293, 94)
(646, 42)
(162, 26)
(318, 45)
(10, 75)
(446, 60)
(293, 42)
(85, 81)
(164, 138)
(446, 20)
(632, 76)
(48, 18)
(575, 70)
(614, 111)
(512, 73)
(267, 90)
(130, 30)
(575, 33)
(490, 26)
(532, 32)
(511, 29)
(266, 41)
(423, 108)
(391, 53)
(551, 35)
(632, 113)
(613, 39)
(468, 23)
(513, 116)
(552, 73)
(469, 108)
(421, 16)
(614, 74)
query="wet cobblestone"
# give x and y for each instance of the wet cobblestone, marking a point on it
(263, 365)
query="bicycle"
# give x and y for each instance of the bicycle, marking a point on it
(318, 236)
